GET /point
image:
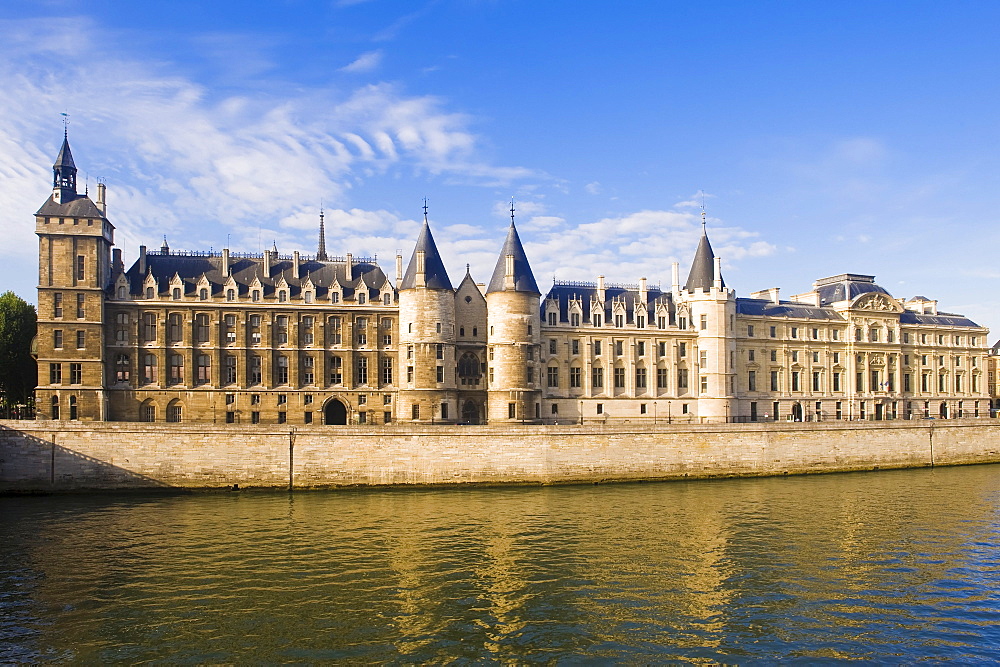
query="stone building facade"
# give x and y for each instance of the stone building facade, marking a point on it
(226, 337)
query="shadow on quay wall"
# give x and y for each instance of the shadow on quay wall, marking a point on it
(30, 464)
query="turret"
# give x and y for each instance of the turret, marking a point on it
(512, 341)
(64, 174)
(427, 336)
(712, 308)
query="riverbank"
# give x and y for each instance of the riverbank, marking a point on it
(40, 456)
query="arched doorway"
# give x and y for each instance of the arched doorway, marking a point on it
(797, 412)
(943, 413)
(470, 412)
(335, 413)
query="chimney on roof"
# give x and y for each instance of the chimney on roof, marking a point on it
(101, 194)
(399, 269)
(675, 278)
(717, 282)
(142, 260)
(117, 266)
(643, 292)
(295, 262)
(225, 261)
(600, 289)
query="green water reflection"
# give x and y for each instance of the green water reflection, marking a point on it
(893, 566)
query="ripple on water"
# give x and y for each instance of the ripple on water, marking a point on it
(889, 567)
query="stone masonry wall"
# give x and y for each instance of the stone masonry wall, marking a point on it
(49, 456)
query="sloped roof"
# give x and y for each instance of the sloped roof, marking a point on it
(702, 275)
(436, 276)
(80, 207)
(847, 289)
(587, 292)
(363, 276)
(767, 308)
(524, 280)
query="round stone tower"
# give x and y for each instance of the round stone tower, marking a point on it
(427, 337)
(512, 337)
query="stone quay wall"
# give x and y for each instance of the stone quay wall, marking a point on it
(57, 456)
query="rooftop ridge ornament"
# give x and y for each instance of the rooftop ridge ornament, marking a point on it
(425, 210)
(511, 211)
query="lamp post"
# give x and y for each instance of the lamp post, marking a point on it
(654, 412)
(668, 412)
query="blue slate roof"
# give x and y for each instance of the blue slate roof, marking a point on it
(585, 292)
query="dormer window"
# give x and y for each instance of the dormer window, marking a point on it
(149, 292)
(309, 297)
(255, 295)
(361, 297)
(387, 299)
(282, 296)
(203, 294)
(121, 292)
(334, 297)
(175, 293)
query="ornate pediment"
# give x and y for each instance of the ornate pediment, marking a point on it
(877, 302)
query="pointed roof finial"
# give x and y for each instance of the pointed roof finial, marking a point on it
(511, 211)
(65, 121)
(321, 249)
(274, 246)
(425, 210)
(165, 249)
(704, 223)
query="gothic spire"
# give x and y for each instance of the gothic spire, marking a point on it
(321, 250)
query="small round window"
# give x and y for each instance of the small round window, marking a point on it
(468, 299)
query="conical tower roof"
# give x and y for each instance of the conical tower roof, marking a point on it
(65, 158)
(702, 275)
(436, 277)
(524, 280)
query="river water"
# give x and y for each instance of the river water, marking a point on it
(888, 567)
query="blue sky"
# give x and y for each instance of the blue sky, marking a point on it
(824, 137)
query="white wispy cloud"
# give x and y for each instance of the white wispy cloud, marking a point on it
(366, 62)
(182, 161)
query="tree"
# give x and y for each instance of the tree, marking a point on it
(18, 371)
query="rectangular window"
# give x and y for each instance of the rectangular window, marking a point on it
(81, 266)
(176, 370)
(795, 380)
(552, 346)
(81, 339)
(906, 382)
(81, 302)
(682, 379)
(76, 373)
(308, 370)
(574, 378)
(751, 355)
(362, 371)
(57, 339)
(619, 348)
(749, 331)
(201, 327)
(703, 388)
(597, 377)
(815, 381)
(552, 376)
(795, 332)
(619, 378)
(703, 322)
(55, 373)
(204, 368)
(531, 374)
(836, 381)
(439, 373)
(859, 382)
(409, 374)
(57, 305)
(640, 378)
(640, 349)
(597, 348)
(815, 333)
(774, 332)
(511, 411)
(683, 350)
(229, 375)
(751, 380)
(575, 346)
(774, 380)
(661, 378)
